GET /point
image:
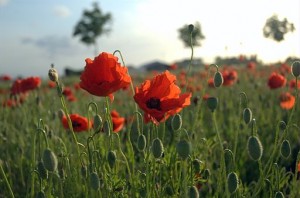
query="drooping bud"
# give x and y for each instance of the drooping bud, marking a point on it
(83, 171)
(233, 182)
(94, 181)
(193, 192)
(141, 142)
(218, 79)
(255, 149)
(169, 190)
(197, 165)
(296, 68)
(279, 194)
(282, 125)
(206, 174)
(212, 103)
(285, 149)
(157, 148)
(176, 122)
(49, 160)
(97, 123)
(52, 74)
(247, 115)
(106, 127)
(43, 173)
(111, 158)
(183, 149)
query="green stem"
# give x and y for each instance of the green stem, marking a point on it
(6, 181)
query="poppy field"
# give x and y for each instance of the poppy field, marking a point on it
(192, 131)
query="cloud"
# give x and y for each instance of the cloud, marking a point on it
(61, 11)
(3, 2)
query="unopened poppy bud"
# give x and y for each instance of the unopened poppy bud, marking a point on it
(111, 158)
(169, 191)
(97, 123)
(279, 194)
(176, 122)
(43, 173)
(191, 28)
(206, 174)
(61, 172)
(228, 155)
(247, 115)
(49, 160)
(282, 125)
(218, 79)
(94, 181)
(233, 182)
(212, 103)
(157, 148)
(106, 127)
(141, 142)
(83, 171)
(197, 165)
(296, 68)
(193, 192)
(183, 149)
(53, 76)
(285, 149)
(40, 194)
(255, 149)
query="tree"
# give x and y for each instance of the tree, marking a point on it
(92, 25)
(276, 29)
(197, 36)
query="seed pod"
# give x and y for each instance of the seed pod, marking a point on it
(285, 149)
(255, 149)
(106, 127)
(193, 192)
(50, 160)
(218, 79)
(197, 165)
(279, 194)
(97, 123)
(212, 103)
(176, 122)
(296, 68)
(183, 149)
(157, 148)
(228, 155)
(43, 173)
(141, 142)
(83, 171)
(111, 158)
(233, 182)
(282, 125)
(94, 181)
(247, 115)
(40, 194)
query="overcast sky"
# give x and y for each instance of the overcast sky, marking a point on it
(36, 33)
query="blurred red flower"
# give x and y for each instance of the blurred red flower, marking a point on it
(292, 84)
(287, 100)
(251, 65)
(117, 120)
(276, 81)
(160, 98)
(24, 85)
(5, 77)
(229, 77)
(173, 66)
(104, 75)
(51, 84)
(79, 123)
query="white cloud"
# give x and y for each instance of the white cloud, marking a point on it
(3, 2)
(61, 11)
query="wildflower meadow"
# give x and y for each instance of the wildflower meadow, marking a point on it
(193, 131)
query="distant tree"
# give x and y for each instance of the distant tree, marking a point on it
(276, 29)
(197, 36)
(92, 25)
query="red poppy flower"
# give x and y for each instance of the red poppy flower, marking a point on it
(5, 77)
(173, 66)
(251, 65)
(51, 84)
(293, 84)
(210, 83)
(24, 85)
(229, 77)
(276, 81)
(117, 120)
(79, 123)
(160, 98)
(287, 100)
(104, 75)
(9, 103)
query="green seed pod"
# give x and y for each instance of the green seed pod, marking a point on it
(169, 191)
(176, 122)
(40, 194)
(94, 181)
(97, 123)
(279, 194)
(141, 142)
(111, 158)
(193, 192)
(296, 68)
(282, 125)
(228, 155)
(183, 149)
(212, 103)
(50, 160)
(233, 182)
(285, 149)
(43, 173)
(83, 171)
(157, 148)
(197, 165)
(106, 127)
(206, 174)
(218, 79)
(255, 148)
(247, 115)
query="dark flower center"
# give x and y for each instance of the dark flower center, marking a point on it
(153, 103)
(76, 124)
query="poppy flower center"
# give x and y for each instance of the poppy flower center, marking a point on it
(153, 103)
(76, 124)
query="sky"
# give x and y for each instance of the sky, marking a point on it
(36, 33)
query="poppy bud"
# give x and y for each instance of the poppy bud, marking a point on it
(83, 171)
(212, 103)
(40, 194)
(43, 173)
(193, 192)
(285, 149)
(296, 68)
(206, 174)
(157, 148)
(279, 195)
(50, 160)
(97, 123)
(247, 115)
(282, 125)
(191, 28)
(94, 181)
(197, 165)
(106, 127)
(183, 149)
(169, 190)
(141, 142)
(255, 148)
(233, 182)
(111, 158)
(218, 79)
(228, 155)
(53, 76)
(176, 122)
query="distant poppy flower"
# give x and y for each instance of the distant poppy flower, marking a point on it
(9, 103)
(51, 84)
(26, 84)
(287, 100)
(276, 81)
(292, 84)
(229, 77)
(173, 66)
(104, 75)
(251, 65)
(117, 120)
(160, 98)
(79, 123)
(210, 83)
(5, 77)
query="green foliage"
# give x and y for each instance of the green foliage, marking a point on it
(185, 35)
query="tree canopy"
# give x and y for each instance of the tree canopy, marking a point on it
(185, 34)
